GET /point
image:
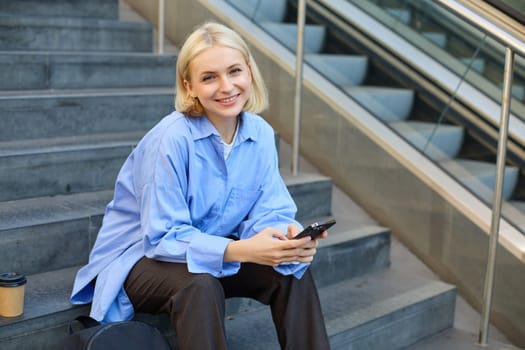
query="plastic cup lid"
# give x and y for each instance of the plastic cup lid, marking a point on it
(12, 279)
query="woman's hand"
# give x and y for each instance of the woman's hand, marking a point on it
(271, 247)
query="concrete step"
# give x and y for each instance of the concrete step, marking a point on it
(353, 252)
(91, 163)
(47, 310)
(477, 64)
(458, 339)
(286, 33)
(64, 113)
(480, 177)
(341, 70)
(437, 38)
(47, 233)
(72, 168)
(518, 91)
(439, 142)
(378, 311)
(402, 15)
(262, 11)
(73, 34)
(107, 9)
(312, 191)
(389, 104)
(86, 70)
(47, 313)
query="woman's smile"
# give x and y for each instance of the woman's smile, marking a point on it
(228, 100)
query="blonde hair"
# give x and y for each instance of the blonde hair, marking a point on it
(205, 36)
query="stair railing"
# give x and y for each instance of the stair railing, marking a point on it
(301, 14)
(512, 45)
(160, 29)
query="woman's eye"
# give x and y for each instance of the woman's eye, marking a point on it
(235, 70)
(207, 78)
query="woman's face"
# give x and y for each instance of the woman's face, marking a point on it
(221, 79)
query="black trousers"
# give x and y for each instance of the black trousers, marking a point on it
(196, 302)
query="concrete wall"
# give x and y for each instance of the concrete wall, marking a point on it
(429, 217)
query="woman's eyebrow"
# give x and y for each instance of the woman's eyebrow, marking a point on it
(211, 71)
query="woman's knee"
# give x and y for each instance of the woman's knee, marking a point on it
(206, 283)
(203, 288)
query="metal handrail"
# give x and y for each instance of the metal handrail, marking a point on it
(497, 200)
(301, 14)
(160, 28)
(513, 45)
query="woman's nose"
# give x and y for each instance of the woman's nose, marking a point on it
(226, 84)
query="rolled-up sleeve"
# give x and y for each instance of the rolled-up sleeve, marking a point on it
(206, 254)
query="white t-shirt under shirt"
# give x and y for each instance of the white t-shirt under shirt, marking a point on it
(228, 146)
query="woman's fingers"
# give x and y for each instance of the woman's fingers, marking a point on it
(272, 247)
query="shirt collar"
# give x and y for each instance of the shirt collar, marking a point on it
(201, 128)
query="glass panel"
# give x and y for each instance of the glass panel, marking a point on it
(458, 45)
(467, 153)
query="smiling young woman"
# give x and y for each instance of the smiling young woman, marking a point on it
(200, 212)
(220, 80)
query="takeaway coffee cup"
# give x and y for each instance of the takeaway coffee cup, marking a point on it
(12, 290)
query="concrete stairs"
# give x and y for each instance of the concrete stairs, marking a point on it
(78, 93)
(79, 88)
(71, 70)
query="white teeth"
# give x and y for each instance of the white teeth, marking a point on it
(229, 99)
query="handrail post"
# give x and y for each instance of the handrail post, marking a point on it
(497, 199)
(301, 14)
(160, 28)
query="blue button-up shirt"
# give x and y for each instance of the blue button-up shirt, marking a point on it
(177, 199)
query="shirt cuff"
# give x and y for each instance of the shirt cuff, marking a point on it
(296, 269)
(205, 254)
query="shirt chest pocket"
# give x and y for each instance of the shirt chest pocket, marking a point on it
(238, 205)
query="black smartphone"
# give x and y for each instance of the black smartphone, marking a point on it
(315, 229)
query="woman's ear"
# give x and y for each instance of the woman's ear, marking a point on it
(187, 86)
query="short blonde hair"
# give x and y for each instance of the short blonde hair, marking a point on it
(205, 36)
